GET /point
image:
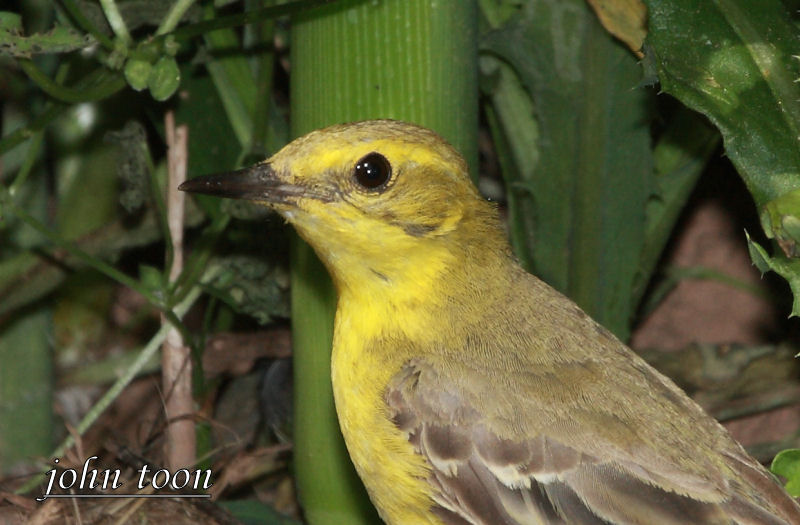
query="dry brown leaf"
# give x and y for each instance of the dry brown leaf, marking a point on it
(625, 19)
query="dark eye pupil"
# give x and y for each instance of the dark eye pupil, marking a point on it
(373, 171)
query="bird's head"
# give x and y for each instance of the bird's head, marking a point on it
(374, 199)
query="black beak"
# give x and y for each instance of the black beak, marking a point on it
(255, 183)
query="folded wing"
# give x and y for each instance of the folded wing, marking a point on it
(545, 478)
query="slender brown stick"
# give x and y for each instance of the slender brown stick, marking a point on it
(176, 364)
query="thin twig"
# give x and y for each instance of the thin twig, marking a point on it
(176, 363)
(109, 83)
(174, 16)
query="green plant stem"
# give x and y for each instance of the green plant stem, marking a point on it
(109, 83)
(116, 21)
(198, 260)
(76, 13)
(406, 59)
(31, 156)
(675, 275)
(174, 16)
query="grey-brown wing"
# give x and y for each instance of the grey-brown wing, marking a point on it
(481, 478)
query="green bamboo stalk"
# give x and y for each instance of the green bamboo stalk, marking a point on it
(412, 60)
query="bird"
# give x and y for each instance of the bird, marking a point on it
(467, 390)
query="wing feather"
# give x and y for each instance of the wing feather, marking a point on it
(483, 478)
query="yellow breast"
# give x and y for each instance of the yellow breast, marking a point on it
(393, 473)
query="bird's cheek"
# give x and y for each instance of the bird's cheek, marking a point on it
(317, 229)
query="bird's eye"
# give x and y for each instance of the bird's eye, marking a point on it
(373, 171)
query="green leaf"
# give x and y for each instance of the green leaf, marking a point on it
(60, 39)
(213, 147)
(733, 60)
(234, 81)
(137, 73)
(253, 285)
(585, 190)
(781, 221)
(132, 164)
(758, 255)
(164, 78)
(152, 278)
(10, 21)
(516, 137)
(515, 131)
(787, 268)
(787, 464)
